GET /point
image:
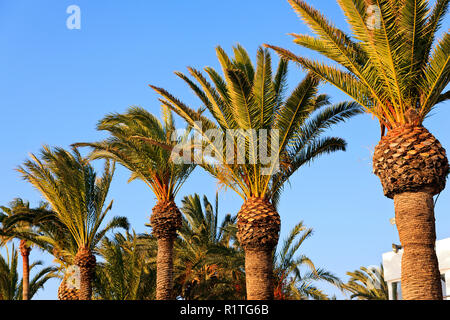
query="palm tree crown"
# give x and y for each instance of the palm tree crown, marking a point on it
(71, 186)
(143, 145)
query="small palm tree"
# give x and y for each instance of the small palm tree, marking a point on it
(11, 288)
(143, 145)
(126, 273)
(249, 107)
(367, 284)
(77, 196)
(12, 230)
(291, 283)
(49, 234)
(207, 265)
(392, 67)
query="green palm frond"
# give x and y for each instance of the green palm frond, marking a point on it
(125, 273)
(11, 284)
(207, 265)
(367, 284)
(295, 273)
(72, 188)
(388, 62)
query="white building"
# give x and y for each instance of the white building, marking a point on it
(392, 269)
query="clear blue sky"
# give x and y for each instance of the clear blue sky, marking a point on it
(56, 83)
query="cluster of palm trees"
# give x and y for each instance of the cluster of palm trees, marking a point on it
(208, 264)
(397, 72)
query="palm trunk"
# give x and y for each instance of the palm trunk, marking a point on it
(165, 221)
(25, 252)
(164, 267)
(414, 216)
(86, 261)
(259, 274)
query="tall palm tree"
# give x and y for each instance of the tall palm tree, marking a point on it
(367, 284)
(77, 196)
(207, 265)
(52, 236)
(249, 108)
(291, 281)
(143, 145)
(392, 68)
(126, 273)
(11, 288)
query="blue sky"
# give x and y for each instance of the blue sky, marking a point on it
(56, 83)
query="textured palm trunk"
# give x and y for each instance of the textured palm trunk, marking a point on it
(164, 269)
(414, 216)
(258, 232)
(412, 167)
(86, 261)
(259, 274)
(25, 252)
(65, 293)
(165, 221)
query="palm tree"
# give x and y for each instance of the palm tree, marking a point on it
(24, 247)
(207, 264)
(391, 68)
(126, 273)
(54, 237)
(49, 234)
(13, 229)
(143, 145)
(249, 108)
(367, 284)
(291, 283)
(77, 196)
(11, 288)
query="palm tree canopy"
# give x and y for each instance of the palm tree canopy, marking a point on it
(249, 99)
(200, 223)
(143, 145)
(74, 191)
(390, 63)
